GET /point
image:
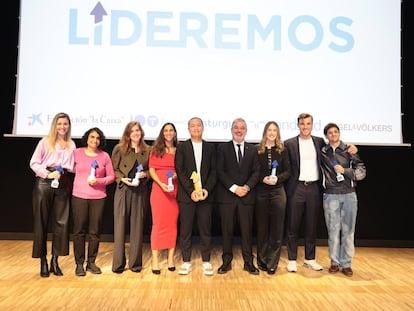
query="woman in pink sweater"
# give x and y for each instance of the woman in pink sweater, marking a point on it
(93, 173)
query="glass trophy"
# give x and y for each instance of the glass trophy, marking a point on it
(339, 176)
(273, 173)
(55, 181)
(94, 165)
(170, 183)
(135, 180)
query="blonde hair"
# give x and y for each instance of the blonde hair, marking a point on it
(52, 136)
(278, 141)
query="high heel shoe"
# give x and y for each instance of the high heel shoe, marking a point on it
(44, 269)
(54, 266)
(156, 271)
(171, 265)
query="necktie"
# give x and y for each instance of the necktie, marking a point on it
(239, 154)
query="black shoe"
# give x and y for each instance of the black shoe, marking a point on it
(54, 266)
(93, 268)
(156, 271)
(224, 268)
(44, 269)
(262, 266)
(172, 269)
(271, 271)
(118, 271)
(249, 267)
(137, 270)
(80, 271)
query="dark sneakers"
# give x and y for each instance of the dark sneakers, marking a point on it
(333, 268)
(347, 271)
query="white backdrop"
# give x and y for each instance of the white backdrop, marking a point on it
(106, 63)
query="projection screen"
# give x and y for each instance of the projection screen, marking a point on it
(108, 62)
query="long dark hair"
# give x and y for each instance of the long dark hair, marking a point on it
(158, 148)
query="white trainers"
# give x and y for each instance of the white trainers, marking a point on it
(313, 265)
(291, 267)
(208, 268)
(185, 268)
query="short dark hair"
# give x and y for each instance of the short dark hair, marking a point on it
(329, 126)
(102, 138)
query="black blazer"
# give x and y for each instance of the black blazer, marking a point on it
(185, 165)
(229, 172)
(292, 145)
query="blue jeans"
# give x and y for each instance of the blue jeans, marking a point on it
(340, 217)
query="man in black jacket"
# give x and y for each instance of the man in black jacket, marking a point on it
(238, 172)
(195, 164)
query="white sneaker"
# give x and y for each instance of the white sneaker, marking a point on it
(185, 268)
(313, 265)
(291, 267)
(208, 268)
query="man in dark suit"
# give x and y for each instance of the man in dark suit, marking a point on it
(195, 164)
(238, 173)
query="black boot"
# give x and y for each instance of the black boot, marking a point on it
(44, 269)
(54, 266)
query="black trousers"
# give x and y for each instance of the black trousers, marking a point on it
(51, 208)
(244, 214)
(304, 206)
(201, 212)
(270, 221)
(87, 221)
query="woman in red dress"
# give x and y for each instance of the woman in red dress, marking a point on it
(164, 206)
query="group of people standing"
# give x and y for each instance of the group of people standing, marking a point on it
(181, 182)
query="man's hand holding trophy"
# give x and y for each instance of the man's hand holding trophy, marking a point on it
(199, 193)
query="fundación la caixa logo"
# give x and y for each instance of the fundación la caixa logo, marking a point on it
(35, 118)
(207, 30)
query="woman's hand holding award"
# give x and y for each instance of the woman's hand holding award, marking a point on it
(91, 176)
(273, 176)
(199, 194)
(135, 181)
(55, 181)
(170, 185)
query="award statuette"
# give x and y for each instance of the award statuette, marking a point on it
(197, 187)
(55, 182)
(170, 183)
(135, 181)
(339, 176)
(274, 167)
(94, 165)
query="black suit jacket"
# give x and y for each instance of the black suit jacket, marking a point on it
(185, 165)
(292, 145)
(229, 172)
